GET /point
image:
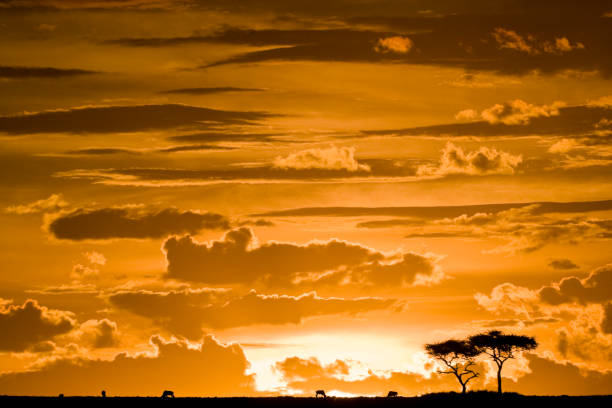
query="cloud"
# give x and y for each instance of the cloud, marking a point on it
(595, 288)
(53, 203)
(395, 44)
(208, 91)
(138, 223)
(519, 112)
(89, 270)
(464, 39)
(207, 368)
(98, 333)
(110, 119)
(27, 325)
(8, 72)
(187, 311)
(478, 162)
(585, 337)
(429, 212)
(332, 158)
(193, 148)
(296, 368)
(582, 304)
(519, 118)
(277, 264)
(100, 151)
(312, 166)
(510, 39)
(211, 137)
(562, 264)
(466, 114)
(548, 377)
(305, 375)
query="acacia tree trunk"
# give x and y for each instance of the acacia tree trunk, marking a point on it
(463, 390)
(499, 385)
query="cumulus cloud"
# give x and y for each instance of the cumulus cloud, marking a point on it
(98, 333)
(132, 222)
(510, 39)
(207, 368)
(296, 368)
(53, 203)
(306, 375)
(187, 311)
(583, 304)
(24, 326)
(466, 114)
(477, 162)
(519, 112)
(396, 44)
(331, 158)
(595, 288)
(548, 377)
(238, 259)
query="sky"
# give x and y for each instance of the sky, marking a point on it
(273, 197)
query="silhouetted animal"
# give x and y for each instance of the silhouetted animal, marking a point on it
(103, 394)
(168, 394)
(392, 394)
(61, 396)
(321, 393)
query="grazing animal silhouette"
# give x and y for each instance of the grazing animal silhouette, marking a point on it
(168, 394)
(321, 393)
(103, 394)
(392, 394)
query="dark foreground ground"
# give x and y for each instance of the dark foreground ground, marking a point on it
(451, 400)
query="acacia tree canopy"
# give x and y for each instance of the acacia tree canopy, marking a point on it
(501, 347)
(458, 356)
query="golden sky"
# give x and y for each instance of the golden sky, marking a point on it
(274, 197)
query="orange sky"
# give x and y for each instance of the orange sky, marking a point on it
(301, 194)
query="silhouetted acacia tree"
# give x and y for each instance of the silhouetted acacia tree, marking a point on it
(458, 356)
(501, 347)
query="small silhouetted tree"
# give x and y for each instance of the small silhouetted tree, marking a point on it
(501, 347)
(458, 357)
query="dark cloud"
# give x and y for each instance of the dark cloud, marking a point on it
(472, 41)
(443, 211)
(208, 91)
(193, 148)
(477, 162)
(24, 326)
(238, 259)
(595, 288)
(100, 151)
(109, 223)
(99, 333)
(295, 368)
(571, 121)
(8, 72)
(562, 264)
(547, 377)
(294, 167)
(108, 119)
(187, 312)
(210, 369)
(208, 137)
(308, 375)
